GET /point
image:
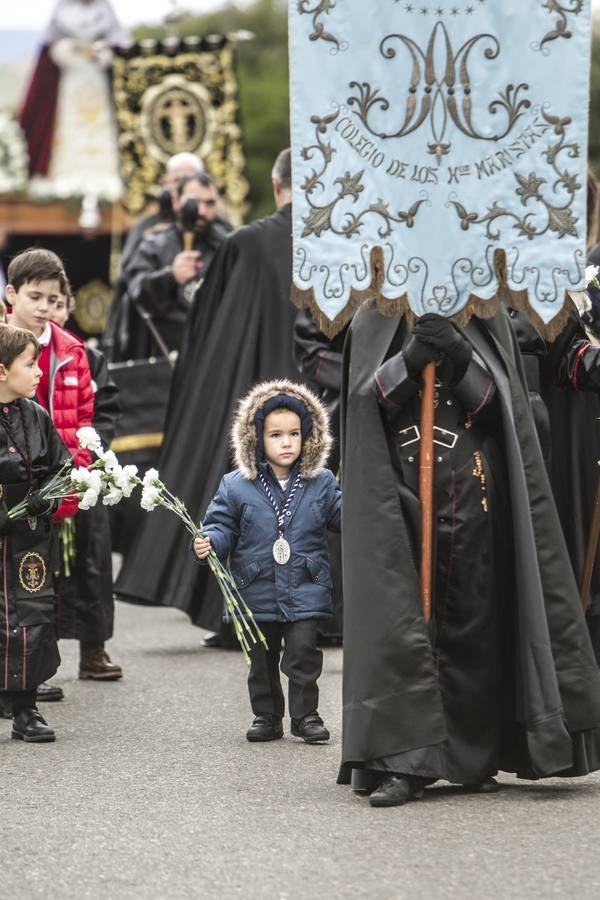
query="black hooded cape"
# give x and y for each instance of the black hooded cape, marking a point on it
(239, 332)
(392, 701)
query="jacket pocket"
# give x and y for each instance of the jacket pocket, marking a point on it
(318, 572)
(246, 518)
(246, 575)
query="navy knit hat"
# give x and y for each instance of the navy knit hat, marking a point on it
(280, 401)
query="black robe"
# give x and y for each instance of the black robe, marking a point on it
(392, 697)
(28, 648)
(85, 598)
(239, 332)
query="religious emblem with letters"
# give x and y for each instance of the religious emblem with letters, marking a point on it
(32, 572)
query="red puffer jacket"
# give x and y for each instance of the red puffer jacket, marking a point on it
(71, 399)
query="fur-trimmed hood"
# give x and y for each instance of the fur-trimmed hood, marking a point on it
(315, 448)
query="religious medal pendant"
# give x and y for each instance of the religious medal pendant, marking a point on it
(281, 551)
(32, 522)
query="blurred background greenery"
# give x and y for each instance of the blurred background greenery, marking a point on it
(263, 81)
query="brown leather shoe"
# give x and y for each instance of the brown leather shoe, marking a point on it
(97, 666)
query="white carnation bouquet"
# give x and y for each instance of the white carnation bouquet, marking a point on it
(104, 478)
(155, 494)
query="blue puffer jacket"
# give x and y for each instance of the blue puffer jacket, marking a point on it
(242, 525)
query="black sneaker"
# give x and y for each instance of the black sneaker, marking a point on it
(265, 728)
(310, 729)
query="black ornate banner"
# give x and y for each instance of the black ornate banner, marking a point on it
(174, 97)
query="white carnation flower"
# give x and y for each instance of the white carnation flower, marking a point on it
(125, 479)
(151, 478)
(89, 499)
(150, 498)
(80, 477)
(591, 274)
(89, 439)
(110, 460)
(113, 496)
(95, 481)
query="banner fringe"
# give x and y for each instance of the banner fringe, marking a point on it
(476, 306)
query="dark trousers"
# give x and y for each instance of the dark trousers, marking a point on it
(16, 701)
(302, 662)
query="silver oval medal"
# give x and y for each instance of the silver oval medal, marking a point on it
(281, 551)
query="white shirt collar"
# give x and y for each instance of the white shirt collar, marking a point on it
(46, 336)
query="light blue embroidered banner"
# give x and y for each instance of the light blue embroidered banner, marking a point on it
(438, 133)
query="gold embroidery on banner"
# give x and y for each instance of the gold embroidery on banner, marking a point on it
(92, 302)
(32, 572)
(185, 100)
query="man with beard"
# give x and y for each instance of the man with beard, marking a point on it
(239, 332)
(162, 276)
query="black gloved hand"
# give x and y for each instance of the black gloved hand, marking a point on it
(441, 334)
(417, 354)
(36, 504)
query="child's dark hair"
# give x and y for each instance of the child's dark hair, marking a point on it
(35, 265)
(13, 341)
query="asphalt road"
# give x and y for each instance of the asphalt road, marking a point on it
(152, 791)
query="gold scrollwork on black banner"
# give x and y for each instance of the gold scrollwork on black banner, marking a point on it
(439, 77)
(32, 572)
(170, 100)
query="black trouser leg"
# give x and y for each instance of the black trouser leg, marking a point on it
(86, 648)
(302, 662)
(20, 700)
(264, 684)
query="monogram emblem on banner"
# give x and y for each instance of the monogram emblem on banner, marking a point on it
(32, 572)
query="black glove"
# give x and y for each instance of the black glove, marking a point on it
(441, 334)
(37, 505)
(417, 354)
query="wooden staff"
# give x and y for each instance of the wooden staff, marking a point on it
(426, 488)
(590, 550)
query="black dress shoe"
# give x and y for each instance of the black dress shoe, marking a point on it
(265, 728)
(395, 790)
(212, 639)
(487, 786)
(310, 729)
(49, 693)
(31, 727)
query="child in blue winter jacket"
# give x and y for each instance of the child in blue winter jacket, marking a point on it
(270, 518)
